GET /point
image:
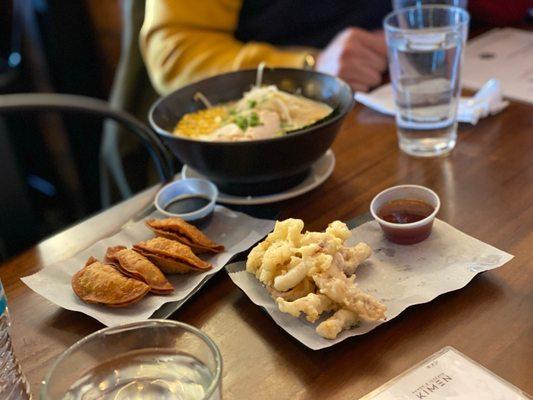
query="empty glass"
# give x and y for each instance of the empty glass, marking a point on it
(425, 46)
(154, 359)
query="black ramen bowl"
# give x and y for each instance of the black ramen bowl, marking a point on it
(259, 166)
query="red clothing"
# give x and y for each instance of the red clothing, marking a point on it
(499, 12)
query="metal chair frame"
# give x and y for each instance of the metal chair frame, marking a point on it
(27, 102)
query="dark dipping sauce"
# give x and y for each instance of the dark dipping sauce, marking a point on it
(405, 211)
(187, 203)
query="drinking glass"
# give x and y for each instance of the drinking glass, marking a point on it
(154, 359)
(425, 46)
(397, 4)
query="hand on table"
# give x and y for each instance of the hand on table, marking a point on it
(357, 56)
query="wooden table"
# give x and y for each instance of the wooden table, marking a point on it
(486, 187)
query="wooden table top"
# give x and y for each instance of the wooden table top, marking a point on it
(486, 188)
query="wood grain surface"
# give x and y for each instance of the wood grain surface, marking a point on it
(486, 188)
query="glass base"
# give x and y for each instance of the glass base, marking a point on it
(427, 143)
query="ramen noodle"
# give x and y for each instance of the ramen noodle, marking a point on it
(263, 112)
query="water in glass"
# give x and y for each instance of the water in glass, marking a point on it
(426, 96)
(147, 375)
(425, 47)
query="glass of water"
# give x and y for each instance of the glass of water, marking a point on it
(397, 4)
(425, 46)
(154, 359)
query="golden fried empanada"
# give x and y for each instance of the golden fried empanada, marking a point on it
(111, 255)
(139, 267)
(178, 229)
(170, 256)
(91, 260)
(99, 283)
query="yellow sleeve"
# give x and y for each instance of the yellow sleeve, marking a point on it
(183, 41)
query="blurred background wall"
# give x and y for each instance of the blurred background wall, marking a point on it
(49, 163)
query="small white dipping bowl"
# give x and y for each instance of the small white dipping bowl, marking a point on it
(409, 233)
(183, 189)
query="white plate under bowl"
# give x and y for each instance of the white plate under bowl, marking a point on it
(320, 171)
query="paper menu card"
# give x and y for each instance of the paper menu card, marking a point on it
(447, 375)
(505, 54)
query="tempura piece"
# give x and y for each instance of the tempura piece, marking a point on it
(352, 257)
(170, 256)
(99, 283)
(183, 232)
(342, 319)
(266, 258)
(289, 230)
(139, 267)
(275, 257)
(288, 260)
(255, 258)
(311, 305)
(344, 291)
(300, 290)
(299, 269)
(293, 276)
(338, 230)
(331, 240)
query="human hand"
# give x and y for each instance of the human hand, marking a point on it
(357, 56)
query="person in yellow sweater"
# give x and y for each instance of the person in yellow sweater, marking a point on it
(183, 41)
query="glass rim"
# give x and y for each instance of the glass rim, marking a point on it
(388, 27)
(210, 343)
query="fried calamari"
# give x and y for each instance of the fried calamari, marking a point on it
(312, 305)
(312, 273)
(342, 319)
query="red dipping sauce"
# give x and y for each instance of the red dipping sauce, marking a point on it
(405, 213)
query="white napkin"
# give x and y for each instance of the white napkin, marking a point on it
(487, 101)
(400, 276)
(235, 230)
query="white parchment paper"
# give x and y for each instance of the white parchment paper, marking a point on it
(400, 276)
(235, 230)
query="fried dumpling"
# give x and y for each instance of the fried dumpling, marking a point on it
(170, 256)
(178, 229)
(111, 255)
(139, 267)
(90, 260)
(99, 283)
